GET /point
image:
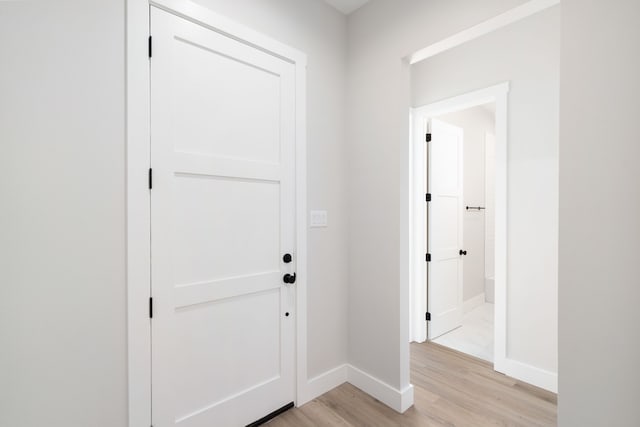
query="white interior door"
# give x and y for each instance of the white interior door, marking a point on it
(444, 228)
(222, 217)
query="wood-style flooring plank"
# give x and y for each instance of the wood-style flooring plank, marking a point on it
(451, 389)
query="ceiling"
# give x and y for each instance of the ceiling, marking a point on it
(347, 6)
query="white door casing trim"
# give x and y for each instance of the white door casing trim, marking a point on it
(138, 224)
(417, 207)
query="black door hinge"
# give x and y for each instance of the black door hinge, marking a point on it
(428, 138)
(150, 46)
(428, 197)
(150, 178)
(428, 258)
(427, 316)
(150, 308)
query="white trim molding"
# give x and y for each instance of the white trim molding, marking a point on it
(399, 400)
(420, 116)
(138, 212)
(319, 385)
(138, 198)
(497, 22)
(532, 375)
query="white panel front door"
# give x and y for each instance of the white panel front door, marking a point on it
(222, 217)
(444, 225)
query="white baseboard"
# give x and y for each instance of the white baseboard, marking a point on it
(530, 374)
(324, 382)
(399, 400)
(472, 303)
(403, 400)
(390, 396)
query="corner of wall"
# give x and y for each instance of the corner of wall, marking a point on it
(398, 400)
(323, 383)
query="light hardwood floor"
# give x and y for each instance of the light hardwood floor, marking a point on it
(451, 389)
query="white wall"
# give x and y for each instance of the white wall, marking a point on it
(320, 31)
(63, 314)
(62, 223)
(380, 35)
(62, 262)
(600, 214)
(527, 54)
(475, 123)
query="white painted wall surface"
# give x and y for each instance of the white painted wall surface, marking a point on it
(63, 355)
(318, 30)
(599, 214)
(475, 122)
(527, 54)
(380, 35)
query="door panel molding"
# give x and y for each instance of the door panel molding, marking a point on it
(201, 293)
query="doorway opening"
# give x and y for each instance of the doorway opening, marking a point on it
(458, 221)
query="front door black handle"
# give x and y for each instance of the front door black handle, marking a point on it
(463, 252)
(288, 278)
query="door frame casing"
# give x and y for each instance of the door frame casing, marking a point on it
(417, 206)
(138, 196)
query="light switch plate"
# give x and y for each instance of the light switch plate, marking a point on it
(318, 219)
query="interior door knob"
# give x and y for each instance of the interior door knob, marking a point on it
(463, 252)
(288, 278)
